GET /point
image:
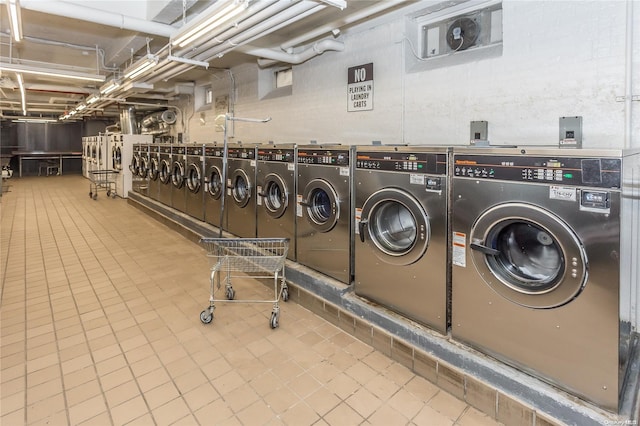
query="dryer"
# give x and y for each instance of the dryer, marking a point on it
(154, 172)
(240, 201)
(214, 184)
(401, 259)
(120, 153)
(324, 210)
(536, 253)
(194, 180)
(102, 157)
(178, 173)
(276, 192)
(164, 174)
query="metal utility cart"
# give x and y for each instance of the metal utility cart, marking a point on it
(258, 257)
(102, 179)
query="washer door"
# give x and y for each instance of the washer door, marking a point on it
(135, 165)
(117, 158)
(320, 202)
(143, 170)
(194, 178)
(177, 175)
(396, 224)
(240, 187)
(528, 255)
(165, 171)
(275, 195)
(154, 169)
(215, 183)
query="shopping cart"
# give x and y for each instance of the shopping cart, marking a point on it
(259, 258)
(102, 179)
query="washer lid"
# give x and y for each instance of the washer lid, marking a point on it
(528, 255)
(395, 226)
(321, 207)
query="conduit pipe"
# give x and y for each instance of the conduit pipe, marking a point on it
(273, 56)
(349, 19)
(97, 16)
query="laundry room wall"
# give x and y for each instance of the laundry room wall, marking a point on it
(558, 59)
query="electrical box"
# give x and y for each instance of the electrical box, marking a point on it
(479, 133)
(570, 132)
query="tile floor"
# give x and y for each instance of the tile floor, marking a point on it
(100, 326)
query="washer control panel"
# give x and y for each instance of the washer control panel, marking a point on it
(276, 155)
(326, 157)
(242, 153)
(579, 171)
(408, 162)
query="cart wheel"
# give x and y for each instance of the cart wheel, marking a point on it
(113, 195)
(274, 320)
(285, 294)
(231, 293)
(206, 316)
(95, 196)
(108, 193)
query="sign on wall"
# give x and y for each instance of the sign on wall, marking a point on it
(360, 88)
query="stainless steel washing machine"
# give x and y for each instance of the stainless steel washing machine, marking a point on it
(214, 183)
(194, 180)
(240, 201)
(401, 259)
(178, 174)
(536, 253)
(276, 192)
(139, 168)
(164, 174)
(86, 155)
(324, 210)
(154, 172)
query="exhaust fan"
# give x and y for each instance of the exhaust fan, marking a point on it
(462, 34)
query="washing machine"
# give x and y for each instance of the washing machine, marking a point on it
(276, 192)
(164, 174)
(139, 168)
(324, 210)
(214, 184)
(93, 160)
(401, 261)
(194, 181)
(240, 201)
(103, 157)
(155, 183)
(85, 156)
(178, 174)
(536, 256)
(120, 153)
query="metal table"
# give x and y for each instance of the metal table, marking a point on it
(45, 155)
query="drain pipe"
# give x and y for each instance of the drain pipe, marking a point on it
(274, 56)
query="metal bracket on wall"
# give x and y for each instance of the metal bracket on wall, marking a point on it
(634, 98)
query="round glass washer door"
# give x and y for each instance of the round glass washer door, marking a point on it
(275, 195)
(143, 170)
(240, 188)
(135, 165)
(528, 255)
(396, 225)
(154, 169)
(320, 205)
(215, 183)
(194, 178)
(165, 171)
(177, 175)
(117, 158)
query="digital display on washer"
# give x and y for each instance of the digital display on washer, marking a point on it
(409, 162)
(276, 155)
(245, 153)
(328, 157)
(596, 172)
(213, 151)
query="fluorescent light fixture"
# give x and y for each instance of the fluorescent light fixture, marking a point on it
(221, 11)
(93, 99)
(15, 20)
(51, 72)
(81, 107)
(142, 65)
(109, 86)
(35, 120)
(340, 4)
(188, 61)
(22, 93)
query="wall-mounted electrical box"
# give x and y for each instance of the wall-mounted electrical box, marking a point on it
(479, 133)
(570, 132)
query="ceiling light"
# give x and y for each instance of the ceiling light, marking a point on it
(93, 99)
(15, 20)
(22, 93)
(142, 65)
(220, 12)
(33, 119)
(109, 87)
(26, 69)
(340, 4)
(188, 61)
(81, 107)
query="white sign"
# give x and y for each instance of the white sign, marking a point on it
(360, 88)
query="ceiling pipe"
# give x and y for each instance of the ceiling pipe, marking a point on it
(274, 56)
(349, 19)
(98, 16)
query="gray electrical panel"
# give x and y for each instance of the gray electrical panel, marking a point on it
(479, 133)
(570, 132)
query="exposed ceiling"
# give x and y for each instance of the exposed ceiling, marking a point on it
(104, 37)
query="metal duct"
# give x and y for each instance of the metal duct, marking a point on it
(128, 123)
(158, 122)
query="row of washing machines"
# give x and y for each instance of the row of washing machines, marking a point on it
(514, 251)
(111, 152)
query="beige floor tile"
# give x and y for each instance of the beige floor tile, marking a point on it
(447, 405)
(42, 376)
(161, 395)
(430, 417)
(122, 393)
(386, 416)
(301, 414)
(343, 414)
(364, 402)
(170, 412)
(129, 410)
(473, 417)
(322, 401)
(83, 392)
